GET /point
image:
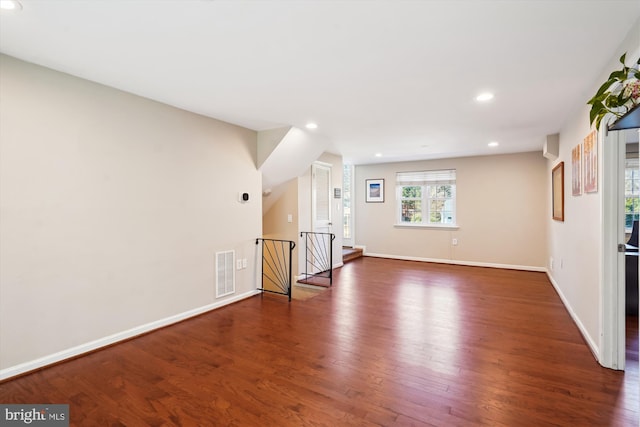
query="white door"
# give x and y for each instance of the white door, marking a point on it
(321, 198)
(318, 243)
(613, 258)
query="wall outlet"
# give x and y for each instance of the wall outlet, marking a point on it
(551, 263)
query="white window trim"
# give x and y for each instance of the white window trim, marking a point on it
(432, 226)
(444, 226)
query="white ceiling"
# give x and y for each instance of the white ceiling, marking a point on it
(394, 77)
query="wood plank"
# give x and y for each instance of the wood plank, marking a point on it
(391, 343)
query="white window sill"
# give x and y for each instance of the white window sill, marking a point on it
(429, 226)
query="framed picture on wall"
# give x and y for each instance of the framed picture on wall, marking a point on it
(590, 169)
(557, 191)
(374, 191)
(576, 170)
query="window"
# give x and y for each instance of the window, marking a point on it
(427, 197)
(631, 193)
(346, 201)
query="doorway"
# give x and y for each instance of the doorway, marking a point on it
(621, 205)
(631, 207)
(317, 245)
(321, 197)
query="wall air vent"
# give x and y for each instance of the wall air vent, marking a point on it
(225, 273)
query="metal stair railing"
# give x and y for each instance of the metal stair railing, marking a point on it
(318, 255)
(276, 266)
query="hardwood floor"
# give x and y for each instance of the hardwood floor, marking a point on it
(391, 343)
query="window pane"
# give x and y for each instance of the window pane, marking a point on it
(628, 173)
(443, 191)
(440, 191)
(411, 211)
(412, 192)
(628, 221)
(346, 201)
(436, 208)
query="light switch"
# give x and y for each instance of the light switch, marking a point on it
(289, 218)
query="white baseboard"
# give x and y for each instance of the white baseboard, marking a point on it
(590, 342)
(460, 262)
(117, 337)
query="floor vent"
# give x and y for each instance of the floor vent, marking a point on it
(225, 273)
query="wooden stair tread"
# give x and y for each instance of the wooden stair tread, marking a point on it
(349, 254)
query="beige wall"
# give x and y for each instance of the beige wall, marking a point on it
(576, 245)
(112, 208)
(501, 211)
(275, 223)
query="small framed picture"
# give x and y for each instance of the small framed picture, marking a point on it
(590, 159)
(557, 190)
(576, 170)
(375, 191)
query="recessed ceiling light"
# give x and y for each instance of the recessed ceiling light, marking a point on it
(311, 126)
(484, 97)
(493, 144)
(10, 5)
(378, 154)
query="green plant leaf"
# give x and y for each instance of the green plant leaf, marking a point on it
(619, 75)
(603, 89)
(612, 78)
(623, 58)
(610, 97)
(597, 97)
(597, 109)
(611, 102)
(598, 120)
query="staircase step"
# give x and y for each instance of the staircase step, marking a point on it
(349, 254)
